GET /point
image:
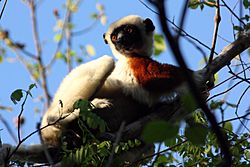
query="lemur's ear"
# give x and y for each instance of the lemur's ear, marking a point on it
(106, 42)
(149, 25)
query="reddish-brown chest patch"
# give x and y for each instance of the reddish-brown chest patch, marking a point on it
(154, 76)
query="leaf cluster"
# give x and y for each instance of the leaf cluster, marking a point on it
(93, 152)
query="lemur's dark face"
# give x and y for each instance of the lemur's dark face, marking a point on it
(130, 36)
(126, 38)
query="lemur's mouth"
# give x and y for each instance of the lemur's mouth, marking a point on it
(125, 49)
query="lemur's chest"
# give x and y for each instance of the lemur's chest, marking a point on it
(131, 82)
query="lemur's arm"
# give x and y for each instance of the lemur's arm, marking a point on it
(81, 83)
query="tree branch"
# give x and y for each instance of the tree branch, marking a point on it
(228, 53)
(217, 20)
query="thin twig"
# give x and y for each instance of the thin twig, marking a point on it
(26, 65)
(4, 5)
(232, 12)
(85, 30)
(160, 152)
(68, 35)
(224, 91)
(20, 115)
(34, 132)
(32, 6)
(6, 124)
(237, 108)
(230, 78)
(64, 31)
(117, 140)
(182, 20)
(203, 53)
(234, 119)
(60, 42)
(217, 19)
(28, 54)
(157, 155)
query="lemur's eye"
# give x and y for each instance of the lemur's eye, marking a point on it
(129, 30)
(113, 37)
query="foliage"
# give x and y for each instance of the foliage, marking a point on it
(198, 146)
(93, 152)
(159, 44)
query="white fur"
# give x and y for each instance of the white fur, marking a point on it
(80, 83)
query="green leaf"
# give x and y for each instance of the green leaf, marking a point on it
(247, 26)
(235, 151)
(216, 78)
(58, 37)
(238, 28)
(156, 131)
(247, 154)
(216, 104)
(79, 60)
(1, 58)
(83, 105)
(193, 4)
(70, 26)
(2, 53)
(199, 117)
(196, 134)
(32, 86)
(16, 96)
(137, 142)
(94, 15)
(228, 126)
(170, 142)
(162, 160)
(100, 7)
(189, 102)
(246, 3)
(159, 44)
(59, 55)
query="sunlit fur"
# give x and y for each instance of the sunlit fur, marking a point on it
(81, 83)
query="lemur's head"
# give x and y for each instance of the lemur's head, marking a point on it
(130, 36)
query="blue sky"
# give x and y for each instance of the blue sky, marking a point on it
(16, 20)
